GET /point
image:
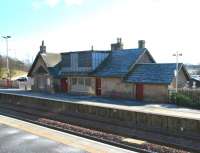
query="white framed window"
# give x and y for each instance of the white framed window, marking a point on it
(74, 81)
(41, 83)
(48, 81)
(81, 81)
(87, 81)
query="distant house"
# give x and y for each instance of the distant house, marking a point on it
(122, 73)
(194, 83)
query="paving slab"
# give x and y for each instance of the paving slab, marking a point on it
(18, 136)
(13, 140)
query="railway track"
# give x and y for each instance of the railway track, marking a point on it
(29, 115)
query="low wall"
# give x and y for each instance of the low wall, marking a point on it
(132, 120)
(8, 84)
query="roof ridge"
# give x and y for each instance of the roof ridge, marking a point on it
(153, 73)
(84, 51)
(156, 63)
(128, 49)
(49, 53)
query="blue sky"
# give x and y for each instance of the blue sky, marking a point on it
(70, 25)
(27, 16)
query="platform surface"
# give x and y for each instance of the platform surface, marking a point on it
(18, 136)
(131, 105)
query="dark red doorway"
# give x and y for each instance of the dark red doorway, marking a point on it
(139, 91)
(64, 85)
(98, 86)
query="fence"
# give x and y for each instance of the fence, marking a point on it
(23, 85)
(194, 94)
(8, 84)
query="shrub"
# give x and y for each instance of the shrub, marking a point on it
(184, 100)
(173, 97)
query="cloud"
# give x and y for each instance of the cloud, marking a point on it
(73, 2)
(164, 31)
(38, 4)
(52, 3)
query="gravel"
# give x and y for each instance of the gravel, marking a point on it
(111, 137)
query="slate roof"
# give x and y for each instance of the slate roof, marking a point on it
(54, 71)
(64, 74)
(153, 73)
(119, 62)
(51, 61)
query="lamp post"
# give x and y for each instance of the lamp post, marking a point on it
(177, 54)
(7, 60)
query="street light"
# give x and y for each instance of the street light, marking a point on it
(177, 54)
(7, 61)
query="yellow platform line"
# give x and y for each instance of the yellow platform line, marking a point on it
(60, 137)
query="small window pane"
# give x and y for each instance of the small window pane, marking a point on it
(88, 82)
(74, 81)
(66, 60)
(84, 59)
(81, 81)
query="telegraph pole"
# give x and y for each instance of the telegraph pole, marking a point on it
(177, 54)
(7, 60)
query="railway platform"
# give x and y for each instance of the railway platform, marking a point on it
(164, 124)
(122, 104)
(17, 136)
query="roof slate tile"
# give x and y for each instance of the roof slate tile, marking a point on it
(153, 73)
(119, 62)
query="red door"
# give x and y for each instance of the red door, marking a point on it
(98, 86)
(64, 85)
(139, 91)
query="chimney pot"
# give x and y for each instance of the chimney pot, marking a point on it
(118, 45)
(141, 43)
(42, 48)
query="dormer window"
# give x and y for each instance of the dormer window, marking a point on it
(85, 59)
(66, 60)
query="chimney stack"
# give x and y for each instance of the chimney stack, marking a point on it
(141, 43)
(42, 48)
(118, 45)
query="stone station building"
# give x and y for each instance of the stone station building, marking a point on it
(118, 73)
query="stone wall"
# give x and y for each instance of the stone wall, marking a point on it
(41, 82)
(97, 117)
(39, 63)
(116, 87)
(156, 93)
(44, 83)
(182, 80)
(145, 59)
